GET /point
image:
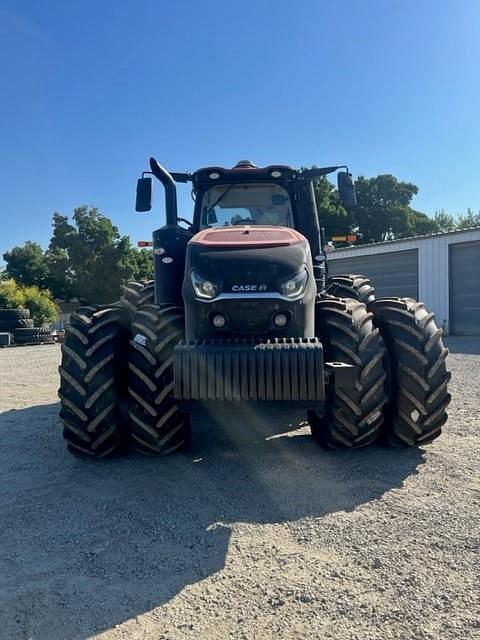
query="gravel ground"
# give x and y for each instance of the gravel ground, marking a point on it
(255, 534)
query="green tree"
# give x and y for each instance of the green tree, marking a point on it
(421, 224)
(38, 301)
(444, 221)
(470, 220)
(383, 206)
(332, 216)
(89, 259)
(27, 264)
(61, 279)
(143, 261)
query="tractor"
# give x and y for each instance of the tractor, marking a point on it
(241, 310)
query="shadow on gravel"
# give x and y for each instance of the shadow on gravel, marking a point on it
(87, 545)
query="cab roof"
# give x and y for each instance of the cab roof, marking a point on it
(243, 171)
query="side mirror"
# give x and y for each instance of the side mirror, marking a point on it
(143, 201)
(346, 189)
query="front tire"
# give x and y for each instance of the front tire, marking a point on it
(158, 427)
(92, 383)
(353, 416)
(419, 376)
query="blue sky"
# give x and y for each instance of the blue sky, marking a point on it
(90, 90)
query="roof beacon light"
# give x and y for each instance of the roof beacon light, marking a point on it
(245, 164)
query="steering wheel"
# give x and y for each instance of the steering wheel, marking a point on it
(244, 221)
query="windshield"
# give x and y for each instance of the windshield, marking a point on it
(263, 204)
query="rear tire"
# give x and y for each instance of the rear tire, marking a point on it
(353, 417)
(351, 286)
(136, 294)
(93, 382)
(158, 427)
(419, 376)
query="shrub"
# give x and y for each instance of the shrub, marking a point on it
(41, 305)
(39, 302)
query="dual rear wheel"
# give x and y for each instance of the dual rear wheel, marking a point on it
(116, 375)
(400, 394)
(116, 380)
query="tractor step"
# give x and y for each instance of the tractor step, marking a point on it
(284, 369)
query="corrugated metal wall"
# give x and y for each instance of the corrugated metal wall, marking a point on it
(392, 274)
(433, 265)
(465, 288)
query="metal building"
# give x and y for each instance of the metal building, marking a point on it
(442, 270)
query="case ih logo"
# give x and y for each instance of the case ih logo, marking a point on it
(249, 287)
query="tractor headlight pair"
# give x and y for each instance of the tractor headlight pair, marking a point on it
(209, 289)
(294, 287)
(206, 289)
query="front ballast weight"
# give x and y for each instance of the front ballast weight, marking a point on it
(280, 370)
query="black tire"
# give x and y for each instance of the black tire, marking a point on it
(351, 286)
(12, 315)
(93, 382)
(137, 294)
(35, 339)
(19, 323)
(32, 335)
(353, 417)
(32, 331)
(157, 425)
(25, 323)
(419, 376)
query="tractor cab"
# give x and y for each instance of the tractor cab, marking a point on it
(243, 196)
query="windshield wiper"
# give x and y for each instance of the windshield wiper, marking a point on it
(219, 199)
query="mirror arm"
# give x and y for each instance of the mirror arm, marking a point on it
(311, 174)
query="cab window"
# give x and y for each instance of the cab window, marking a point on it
(259, 204)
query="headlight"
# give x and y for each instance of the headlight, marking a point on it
(206, 289)
(294, 287)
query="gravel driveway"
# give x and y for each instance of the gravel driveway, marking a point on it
(255, 534)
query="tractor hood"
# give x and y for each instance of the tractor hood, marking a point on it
(249, 236)
(248, 259)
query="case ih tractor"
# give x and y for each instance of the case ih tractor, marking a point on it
(241, 311)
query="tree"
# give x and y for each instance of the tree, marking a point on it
(444, 221)
(89, 259)
(39, 302)
(143, 261)
(421, 224)
(383, 206)
(470, 220)
(61, 279)
(27, 264)
(332, 216)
